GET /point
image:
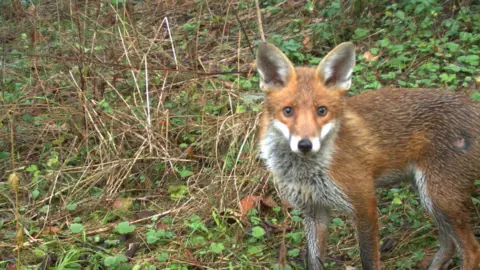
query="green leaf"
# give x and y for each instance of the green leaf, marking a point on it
(32, 168)
(76, 228)
(397, 200)
(112, 242)
(198, 240)
(476, 97)
(374, 51)
(470, 59)
(53, 161)
(177, 192)
(35, 194)
(295, 237)
(39, 253)
(115, 260)
(419, 8)
(162, 256)
(293, 252)
(125, 227)
(152, 237)
(241, 109)
(216, 248)
(4, 155)
(400, 14)
(338, 222)
(255, 250)
(360, 33)
(184, 172)
(71, 207)
(453, 68)
(452, 46)
(58, 141)
(258, 232)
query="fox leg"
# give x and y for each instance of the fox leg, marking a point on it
(443, 257)
(450, 206)
(316, 227)
(455, 228)
(366, 219)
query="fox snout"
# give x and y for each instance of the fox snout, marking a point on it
(301, 145)
(305, 145)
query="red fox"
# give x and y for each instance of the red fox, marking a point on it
(328, 151)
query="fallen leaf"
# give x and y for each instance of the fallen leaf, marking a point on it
(144, 214)
(248, 203)
(306, 42)
(268, 201)
(190, 153)
(161, 226)
(369, 57)
(122, 204)
(51, 229)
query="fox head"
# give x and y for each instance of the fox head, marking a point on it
(304, 104)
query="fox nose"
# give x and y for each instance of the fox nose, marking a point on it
(305, 145)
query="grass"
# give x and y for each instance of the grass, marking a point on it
(128, 129)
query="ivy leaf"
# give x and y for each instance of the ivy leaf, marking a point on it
(397, 200)
(338, 222)
(216, 247)
(400, 14)
(258, 232)
(35, 194)
(71, 207)
(293, 252)
(125, 227)
(162, 256)
(360, 33)
(76, 228)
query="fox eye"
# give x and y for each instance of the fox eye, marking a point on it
(288, 111)
(322, 111)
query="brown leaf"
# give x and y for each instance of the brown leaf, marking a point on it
(306, 43)
(248, 203)
(51, 229)
(122, 204)
(161, 226)
(144, 214)
(190, 153)
(369, 57)
(268, 201)
(306, 40)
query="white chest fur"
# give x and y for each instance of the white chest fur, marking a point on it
(302, 179)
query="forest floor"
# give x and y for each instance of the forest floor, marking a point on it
(128, 129)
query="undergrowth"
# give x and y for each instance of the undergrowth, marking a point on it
(128, 128)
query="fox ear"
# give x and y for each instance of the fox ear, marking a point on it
(274, 67)
(336, 68)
